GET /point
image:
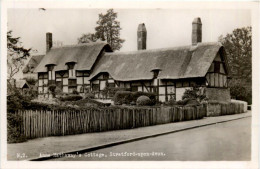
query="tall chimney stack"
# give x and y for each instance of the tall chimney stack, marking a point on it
(48, 41)
(196, 31)
(141, 37)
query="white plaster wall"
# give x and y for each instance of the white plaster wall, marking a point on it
(180, 92)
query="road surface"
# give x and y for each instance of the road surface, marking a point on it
(229, 141)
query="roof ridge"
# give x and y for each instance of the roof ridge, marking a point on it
(78, 45)
(188, 47)
(149, 50)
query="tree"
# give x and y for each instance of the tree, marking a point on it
(238, 47)
(16, 54)
(87, 38)
(107, 29)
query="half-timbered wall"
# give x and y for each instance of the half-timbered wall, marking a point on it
(62, 80)
(83, 83)
(166, 90)
(217, 73)
(100, 82)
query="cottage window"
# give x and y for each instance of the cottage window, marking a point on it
(72, 85)
(111, 84)
(72, 82)
(186, 84)
(42, 82)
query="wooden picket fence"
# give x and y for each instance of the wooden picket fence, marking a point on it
(56, 123)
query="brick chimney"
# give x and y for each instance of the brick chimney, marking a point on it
(141, 37)
(48, 41)
(196, 31)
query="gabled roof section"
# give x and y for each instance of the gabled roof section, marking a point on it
(174, 63)
(21, 84)
(32, 63)
(84, 55)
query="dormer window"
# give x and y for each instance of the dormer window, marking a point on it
(72, 72)
(155, 73)
(51, 73)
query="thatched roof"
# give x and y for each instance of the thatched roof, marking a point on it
(84, 55)
(174, 63)
(32, 63)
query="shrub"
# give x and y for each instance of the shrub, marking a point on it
(192, 102)
(52, 88)
(239, 92)
(75, 92)
(151, 96)
(196, 93)
(71, 98)
(111, 91)
(89, 95)
(143, 101)
(123, 97)
(182, 102)
(14, 128)
(186, 102)
(16, 101)
(171, 102)
(31, 81)
(85, 103)
(31, 93)
(58, 91)
(127, 97)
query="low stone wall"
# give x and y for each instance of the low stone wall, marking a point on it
(240, 101)
(219, 94)
(221, 108)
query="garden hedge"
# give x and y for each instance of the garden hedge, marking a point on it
(127, 97)
(71, 98)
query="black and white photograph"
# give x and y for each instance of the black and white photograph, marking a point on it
(139, 82)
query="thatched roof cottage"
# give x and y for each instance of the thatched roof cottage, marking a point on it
(167, 72)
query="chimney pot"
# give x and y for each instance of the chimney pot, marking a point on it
(141, 37)
(196, 31)
(48, 41)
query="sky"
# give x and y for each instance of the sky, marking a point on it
(165, 27)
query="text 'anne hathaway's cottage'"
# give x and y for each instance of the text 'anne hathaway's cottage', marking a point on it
(167, 72)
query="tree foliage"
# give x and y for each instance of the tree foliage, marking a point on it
(87, 38)
(107, 29)
(16, 54)
(238, 47)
